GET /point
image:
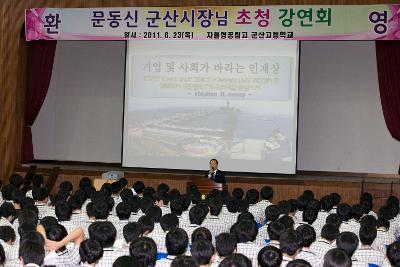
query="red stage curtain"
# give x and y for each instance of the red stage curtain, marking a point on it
(39, 66)
(388, 63)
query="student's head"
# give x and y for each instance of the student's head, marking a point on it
(393, 253)
(115, 188)
(197, 215)
(40, 193)
(26, 227)
(37, 180)
(103, 232)
(201, 233)
(48, 221)
(290, 242)
(368, 220)
(7, 234)
(236, 260)
(367, 235)
(310, 215)
(138, 186)
(329, 232)
(243, 205)
(7, 210)
(66, 186)
(367, 205)
(287, 221)
(33, 236)
(177, 205)
(275, 230)
(334, 218)
(85, 182)
(154, 213)
(314, 204)
(293, 206)
(336, 199)
(308, 194)
(357, 211)
(148, 192)
(183, 261)
(63, 211)
(298, 263)
(284, 207)
(16, 180)
(302, 203)
(29, 214)
(169, 221)
(215, 206)
(126, 194)
(147, 224)
(232, 205)
(238, 193)
(161, 197)
(272, 213)
(123, 211)
(31, 252)
(176, 241)
(344, 211)
(269, 256)
(337, 258)
(244, 231)
(135, 202)
(132, 231)
(252, 196)
(123, 261)
(245, 216)
(348, 242)
(327, 203)
(57, 233)
(266, 192)
(100, 210)
(202, 251)
(90, 251)
(308, 234)
(382, 223)
(225, 244)
(144, 250)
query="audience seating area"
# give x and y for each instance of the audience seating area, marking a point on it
(161, 226)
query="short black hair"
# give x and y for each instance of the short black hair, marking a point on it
(393, 253)
(123, 261)
(183, 261)
(327, 203)
(31, 252)
(26, 227)
(310, 215)
(7, 233)
(202, 251)
(163, 188)
(266, 192)
(154, 213)
(40, 193)
(161, 196)
(275, 229)
(236, 260)
(123, 211)
(368, 220)
(138, 186)
(337, 258)
(215, 205)
(48, 221)
(16, 180)
(334, 218)
(245, 231)
(197, 215)
(85, 182)
(329, 232)
(144, 250)
(90, 251)
(367, 234)
(7, 209)
(245, 216)
(201, 233)
(232, 205)
(290, 242)
(100, 210)
(147, 224)
(272, 213)
(57, 233)
(103, 232)
(225, 244)
(176, 241)
(214, 160)
(287, 221)
(63, 211)
(126, 194)
(357, 211)
(66, 186)
(238, 193)
(132, 231)
(348, 242)
(123, 182)
(308, 234)
(269, 256)
(382, 223)
(298, 263)
(115, 187)
(252, 196)
(344, 211)
(37, 180)
(169, 221)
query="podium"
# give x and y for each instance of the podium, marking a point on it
(206, 185)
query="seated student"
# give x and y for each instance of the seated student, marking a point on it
(275, 229)
(266, 194)
(302, 203)
(197, 214)
(105, 233)
(393, 253)
(348, 241)
(183, 261)
(62, 256)
(214, 221)
(238, 193)
(6, 192)
(144, 249)
(16, 180)
(225, 245)
(352, 223)
(310, 218)
(326, 207)
(201, 233)
(99, 210)
(165, 223)
(252, 196)
(31, 253)
(236, 260)
(383, 237)
(337, 258)
(162, 200)
(334, 218)
(76, 202)
(63, 213)
(290, 245)
(123, 261)
(131, 232)
(7, 240)
(271, 214)
(365, 252)
(123, 211)
(269, 256)
(41, 196)
(202, 251)
(37, 181)
(177, 242)
(328, 235)
(7, 213)
(309, 237)
(246, 232)
(232, 207)
(147, 225)
(90, 252)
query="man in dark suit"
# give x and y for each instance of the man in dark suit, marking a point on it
(214, 174)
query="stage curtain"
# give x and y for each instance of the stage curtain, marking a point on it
(39, 66)
(388, 64)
